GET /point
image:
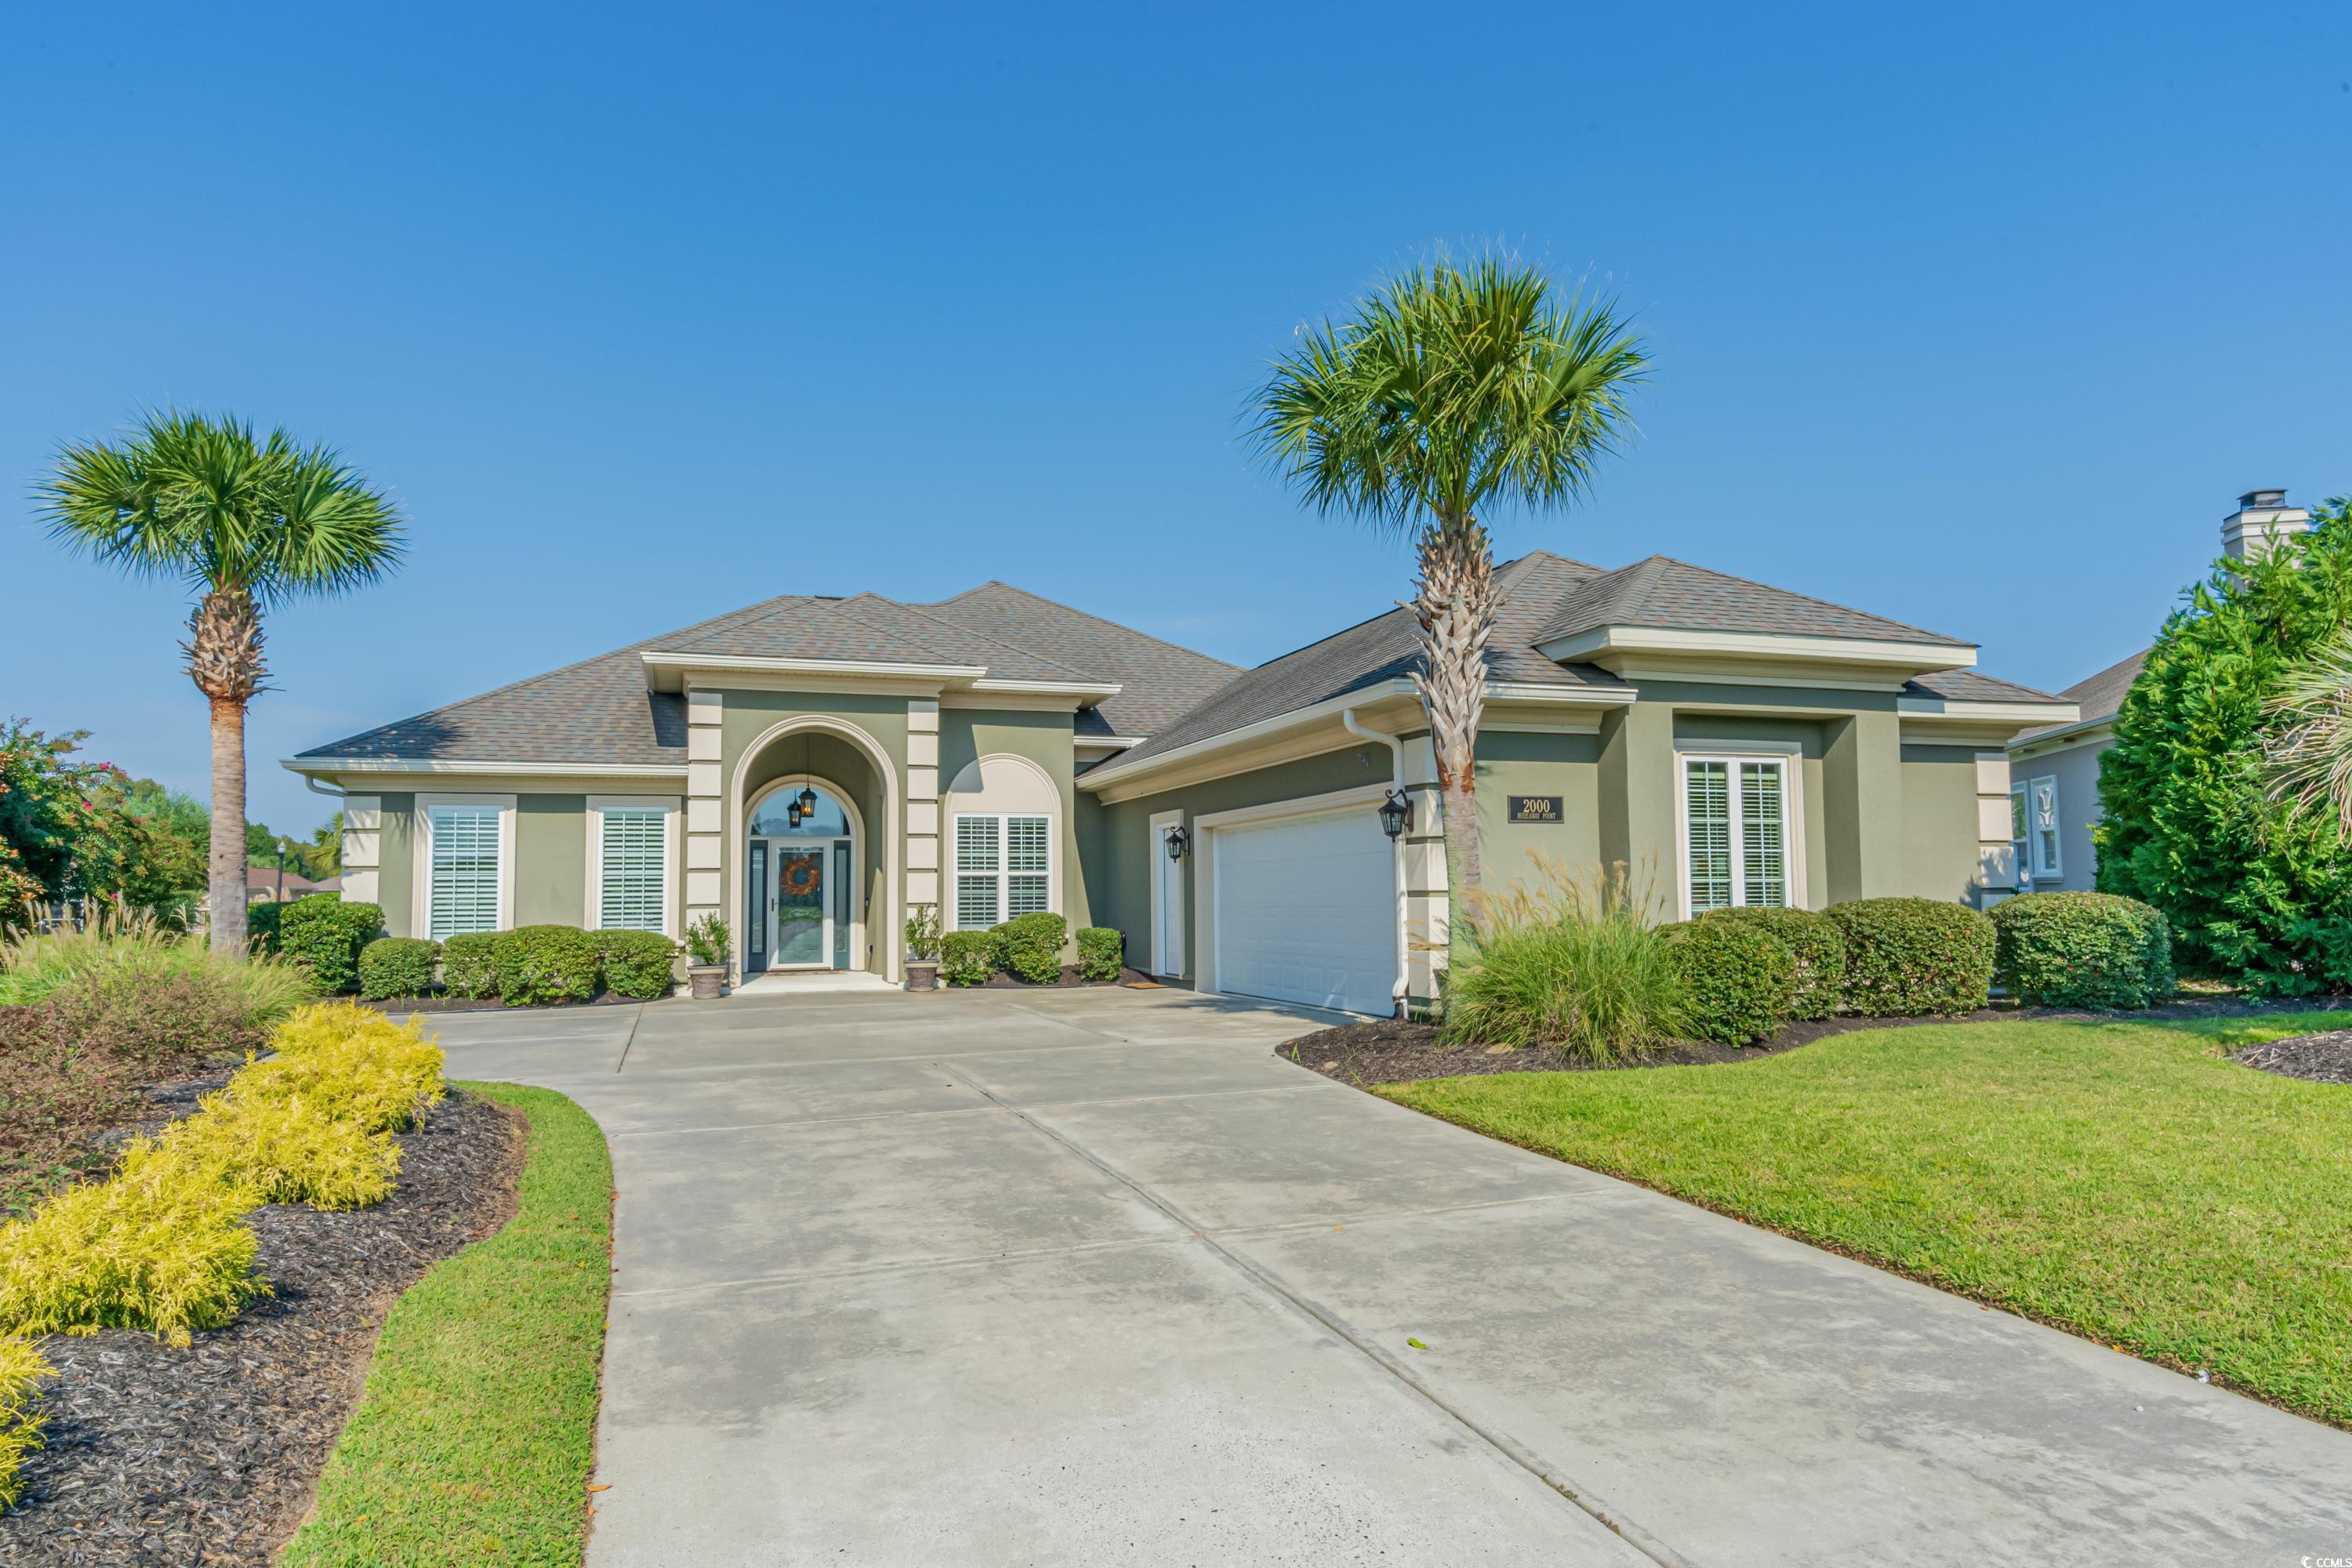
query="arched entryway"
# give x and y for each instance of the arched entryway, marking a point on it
(814, 821)
(806, 894)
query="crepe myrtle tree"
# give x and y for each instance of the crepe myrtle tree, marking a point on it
(246, 524)
(1452, 388)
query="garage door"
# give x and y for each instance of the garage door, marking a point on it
(1306, 911)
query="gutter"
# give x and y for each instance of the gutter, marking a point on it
(1400, 991)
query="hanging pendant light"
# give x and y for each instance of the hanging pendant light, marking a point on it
(808, 783)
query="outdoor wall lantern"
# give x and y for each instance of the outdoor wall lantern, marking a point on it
(808, 802)
(1396, 813)
(1178, 842)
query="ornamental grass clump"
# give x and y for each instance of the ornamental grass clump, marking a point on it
(121, 957)
(1572, 963)
(22, 1368)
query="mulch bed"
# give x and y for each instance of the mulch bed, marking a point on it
(2322, 1059)
(1389, 1051)
(210, 1455)
(401, 1006)
(1070, 976)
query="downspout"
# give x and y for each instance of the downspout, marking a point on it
(1400, 992)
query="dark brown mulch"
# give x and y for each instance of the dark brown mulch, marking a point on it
(1389, 1051)
(2322, 1059)
(209, 1455)
(401, 1005)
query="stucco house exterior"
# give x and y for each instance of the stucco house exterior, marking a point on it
(2054, 768)
(998, 753)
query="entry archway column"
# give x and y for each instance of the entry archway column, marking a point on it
(922, 859)
(705, 813)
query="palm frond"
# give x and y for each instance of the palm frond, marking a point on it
(2309, 754)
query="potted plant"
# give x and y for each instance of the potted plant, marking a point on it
(923, 948)
(706, 957)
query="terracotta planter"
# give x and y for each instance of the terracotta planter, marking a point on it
(922, 976)
(708, 980)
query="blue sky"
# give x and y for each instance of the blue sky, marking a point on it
(1976, 318)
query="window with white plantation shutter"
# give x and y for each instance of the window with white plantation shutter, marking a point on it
(463, 895)
(1003, 868)
(1736, 832)
(632, 856)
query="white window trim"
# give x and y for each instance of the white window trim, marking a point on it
(2054, 867)
(1163, 870)
(420, 883)
(593, 916)
(1791, 764)
(953, 874)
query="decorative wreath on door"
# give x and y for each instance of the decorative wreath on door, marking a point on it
(800, 877)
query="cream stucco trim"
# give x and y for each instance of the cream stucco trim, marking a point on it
(318, 767)
(2092, 733)
(421, 858)
(1986, 712)
(1049, 688)
(673, 842)
(662, 658)
(1034, 795)
(1014, 702)
(887, 851)
(1602, 641)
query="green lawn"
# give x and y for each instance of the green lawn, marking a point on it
(473, 1439)
(2118, 1179)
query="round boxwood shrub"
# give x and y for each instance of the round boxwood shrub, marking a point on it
(325, 934)
(539, 965)
(1814, 942)
(469, 965)
(1100, 951)
(967, 957)
(635, 964)
(1910, 957)
(1031, 946)
(2081, 950)
(1740, 980)
(397, 966)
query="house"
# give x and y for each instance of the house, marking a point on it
(275, 884)
(2054, 768)
(810, 768)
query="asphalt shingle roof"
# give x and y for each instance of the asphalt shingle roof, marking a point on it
(1664, 593)
(1158, 680)
(1968, 686)
(2100, 696)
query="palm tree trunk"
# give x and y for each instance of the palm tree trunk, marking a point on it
(227, 869)
(1455, 602)
(223, 649)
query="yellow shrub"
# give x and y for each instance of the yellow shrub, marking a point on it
(280, 1152)
(351, 1063)
(21, 1370)
(165, 1249)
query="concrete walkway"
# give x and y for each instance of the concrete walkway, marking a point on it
(1091, 1277)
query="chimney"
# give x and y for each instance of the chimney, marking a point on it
(2261, 519)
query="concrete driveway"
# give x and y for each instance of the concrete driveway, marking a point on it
(1090, 1277)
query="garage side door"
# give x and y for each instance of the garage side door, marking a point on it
(1305, 913)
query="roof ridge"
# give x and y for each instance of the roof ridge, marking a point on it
(1082, 614)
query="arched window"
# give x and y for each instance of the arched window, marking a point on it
(772, 817)
(1004, 835)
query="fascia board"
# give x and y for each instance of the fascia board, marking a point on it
(663, 658)
(1585, 645)
(314, 767)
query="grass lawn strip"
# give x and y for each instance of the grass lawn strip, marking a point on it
(2123, 1181)
(473, 1439)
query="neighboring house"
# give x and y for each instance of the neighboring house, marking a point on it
(267, 884)
(998, 753)
(2055, 769)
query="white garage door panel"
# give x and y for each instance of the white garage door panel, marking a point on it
(1307, 913)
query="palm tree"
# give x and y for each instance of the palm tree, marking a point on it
(1452, 387)
(2309, 753)
(248, 525)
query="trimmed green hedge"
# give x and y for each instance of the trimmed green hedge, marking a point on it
(327, 934)
(1816, 945)
(261, 926)
(538, 964)
(635, 964)
(397, 966)
(1031, 946)
(1101, 951)
(1739, 979)
(968, 957)
(2081, 950)
(1911, 957)
(469, 965)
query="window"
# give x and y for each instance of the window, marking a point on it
(1003, 868)
(2041, 824)
(633, 862)
(1736, 832)
(462, 877)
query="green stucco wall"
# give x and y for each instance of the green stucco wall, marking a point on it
(968, 734)
(1939, 821)
(550, 875)
(395, 877)
(1528, 764)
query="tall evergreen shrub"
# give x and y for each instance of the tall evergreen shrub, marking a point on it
(2253, 893)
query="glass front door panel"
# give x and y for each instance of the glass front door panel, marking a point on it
(800, 908)
(755, 913)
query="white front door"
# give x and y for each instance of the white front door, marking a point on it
(1167, 903)
(1306, 911)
